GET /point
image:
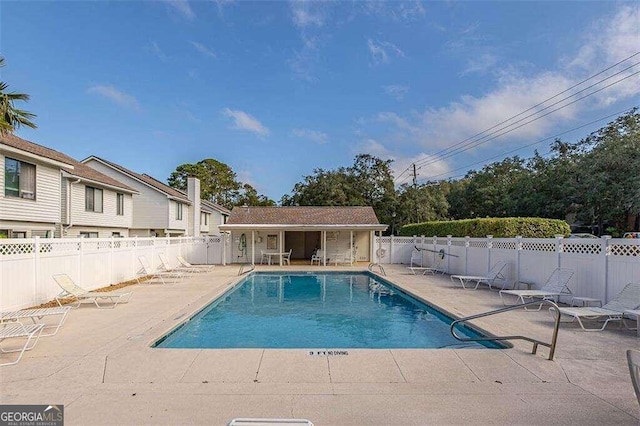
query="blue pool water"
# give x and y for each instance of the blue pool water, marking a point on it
(329, 310)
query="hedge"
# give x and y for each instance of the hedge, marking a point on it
(499, 227)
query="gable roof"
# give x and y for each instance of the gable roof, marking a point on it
(144, 178)
(70, 166)
(304, 216)
(213, 206)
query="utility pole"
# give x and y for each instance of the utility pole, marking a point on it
(415, 176)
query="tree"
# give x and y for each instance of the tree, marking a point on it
(12, 118)
(218, 184)
(609, 179)
(422, 203)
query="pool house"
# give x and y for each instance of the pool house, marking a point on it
(281, 235)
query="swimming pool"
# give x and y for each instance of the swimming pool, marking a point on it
(309, 310)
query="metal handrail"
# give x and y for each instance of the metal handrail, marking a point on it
(536, 342)
(242, 271)
(382, 272)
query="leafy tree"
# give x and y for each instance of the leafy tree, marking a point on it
(609, 179)
(422, 203)
(12, 118)
(218, 183)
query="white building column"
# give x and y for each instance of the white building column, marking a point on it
(253, 247)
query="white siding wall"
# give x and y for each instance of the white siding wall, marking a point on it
(175, 223)
(150, 208)
(108, 217)
(74, 232)
(46, 206)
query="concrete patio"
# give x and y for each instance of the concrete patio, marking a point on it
(101, 367)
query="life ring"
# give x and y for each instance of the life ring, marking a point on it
(381, 252)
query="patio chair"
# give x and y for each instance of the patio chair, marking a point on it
(15, 331)
(38, 314)
(146, 270)
(194, 268)
(167, 268)
(286, 258)
(627, 299)
(495, 274)
(556, 285)
(263, 256)
(317, 256)
(70, 289)
(633, 359)
(416, 259)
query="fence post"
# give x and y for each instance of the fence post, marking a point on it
(153, 252)
(112, 243)
(81, 260)
(489, 247)
(559, 249)
(391, 250)
(448, 252)
(518, 250)
(36, 268)
(466, 254)
(606, 253)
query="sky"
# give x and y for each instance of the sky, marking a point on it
(278, 89)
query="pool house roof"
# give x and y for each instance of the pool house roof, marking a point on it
(303, 218)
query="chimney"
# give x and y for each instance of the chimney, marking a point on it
(193, 193)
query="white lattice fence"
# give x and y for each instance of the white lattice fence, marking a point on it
(601, 267)
(27, 265)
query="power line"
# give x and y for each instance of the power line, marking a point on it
(434, 157)
(537, 142)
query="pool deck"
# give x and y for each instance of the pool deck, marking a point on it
(101, 367)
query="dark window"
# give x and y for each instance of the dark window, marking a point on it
(120, 204)
(88, 235)
(19, 179)
(178, 211)
(93, 199)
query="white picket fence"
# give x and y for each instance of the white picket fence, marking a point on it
(27, 265)
(602, 266)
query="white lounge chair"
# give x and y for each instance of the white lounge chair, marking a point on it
(194, 268)
(263, 422)
(15, 331)
(416, 259)
(436, 268)
(70, 289)
(556, 285)
(165, 267)
(38, 314)
(495, 274)
(633, 359)
(627, 299)
(146, 270)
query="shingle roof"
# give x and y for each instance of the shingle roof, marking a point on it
(79, 170)
(146, 179)
(303, 216)
(217, 207)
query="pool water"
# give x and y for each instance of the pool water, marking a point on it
(329, 310)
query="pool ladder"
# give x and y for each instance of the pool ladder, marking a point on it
(551, 345)
(242, 271)
(381, 269)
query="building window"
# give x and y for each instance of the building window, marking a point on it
(93, 199)
(19, 179)
(120, 204)
(205, 219)
(272, 242)
(88, 235)
(178, 211)
(116, 234)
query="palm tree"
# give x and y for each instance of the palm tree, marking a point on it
(11, 118)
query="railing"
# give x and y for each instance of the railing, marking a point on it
(536, 342)
(242, 271)
(381, 269)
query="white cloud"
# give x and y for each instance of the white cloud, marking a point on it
(307, 14)
(119, 97)
(480, 64)
(402, 162)
(381, 51)
(304, 60)
(396, 91)
(394, 10)
(155, 49)
(204, 50)
(439, 127)
(244, 121)
(181, 7)
(312, 135)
